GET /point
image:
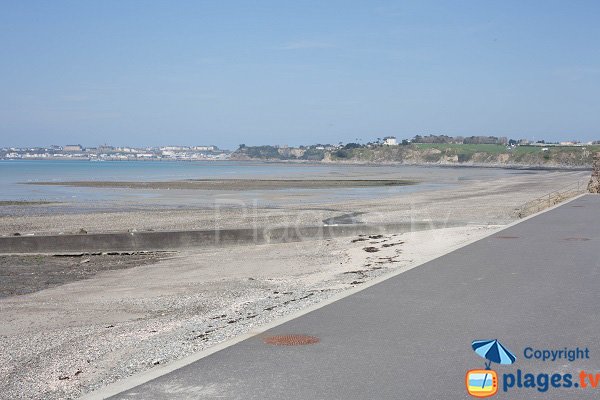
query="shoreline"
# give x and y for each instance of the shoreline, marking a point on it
(534, 167)
(521, 167)
(70, 339)
(235, 184)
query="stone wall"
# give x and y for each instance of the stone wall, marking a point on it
(594, 185)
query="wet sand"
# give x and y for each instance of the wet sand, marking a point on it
(25, 274)
(236, 184)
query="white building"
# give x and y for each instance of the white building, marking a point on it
(204, 148)
(390, 141)
(73, 147)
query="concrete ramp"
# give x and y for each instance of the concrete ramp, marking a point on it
(173, 240)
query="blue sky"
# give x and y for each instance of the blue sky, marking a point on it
(296, 72)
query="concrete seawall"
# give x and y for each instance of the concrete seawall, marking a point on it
(174, 240)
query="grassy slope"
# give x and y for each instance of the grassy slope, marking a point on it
(475, 153)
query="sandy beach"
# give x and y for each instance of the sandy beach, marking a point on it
(82, 334)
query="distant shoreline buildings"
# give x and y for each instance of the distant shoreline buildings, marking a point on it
(111, 153)
(315, 152)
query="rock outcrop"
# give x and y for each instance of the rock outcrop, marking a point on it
(594, 185)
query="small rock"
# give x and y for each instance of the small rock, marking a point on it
(371, 249)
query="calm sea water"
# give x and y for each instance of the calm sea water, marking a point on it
(14, 173)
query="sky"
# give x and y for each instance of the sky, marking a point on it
(147, 73)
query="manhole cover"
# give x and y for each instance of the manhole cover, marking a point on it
(577, 239)
(506, 237)
(291, 340)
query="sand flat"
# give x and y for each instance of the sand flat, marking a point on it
(236, 184)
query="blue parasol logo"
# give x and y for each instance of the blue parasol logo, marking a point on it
(493, 351)
(484, 382)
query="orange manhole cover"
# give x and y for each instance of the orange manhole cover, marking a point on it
(291, 340)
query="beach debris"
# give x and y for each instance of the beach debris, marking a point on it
(358, 271)
(16, 234)
(391, 244)
(356, 282)
(78, 372)
(360, 239)
(385, 260)
(371, 249)
(82, 231)
(375, 236)
(110, 326)
(63, 377)
(85, 261)
(155, 362)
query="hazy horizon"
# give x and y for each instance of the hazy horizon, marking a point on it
(225, 73)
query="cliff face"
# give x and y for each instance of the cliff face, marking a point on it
(472, 155)
(428, 154)
(594, 185)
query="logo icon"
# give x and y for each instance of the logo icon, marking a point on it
(484, 382)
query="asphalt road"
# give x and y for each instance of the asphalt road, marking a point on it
(535, 284)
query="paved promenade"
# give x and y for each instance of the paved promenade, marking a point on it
(535, 284)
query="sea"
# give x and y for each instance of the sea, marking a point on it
(16, 177)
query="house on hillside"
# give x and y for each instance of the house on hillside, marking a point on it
(390, 141)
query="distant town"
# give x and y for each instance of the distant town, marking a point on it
(111, 153)
(313, 152)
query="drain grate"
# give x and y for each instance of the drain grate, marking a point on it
(506, 237)
(291, 340)
(577, 239)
